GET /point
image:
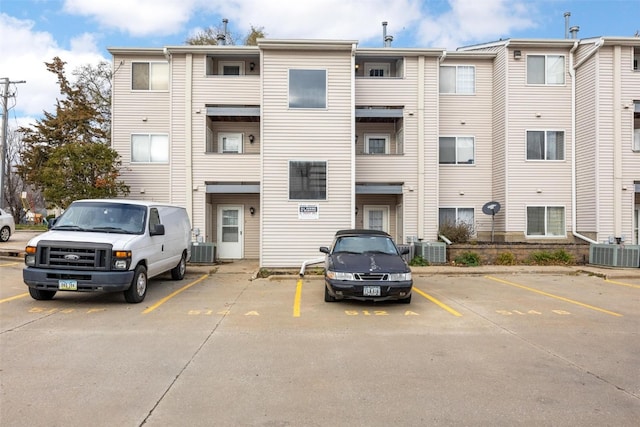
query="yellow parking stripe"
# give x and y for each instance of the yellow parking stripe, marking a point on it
(297, 298)
(505, 282)
(438, 303)
(14, 297)
(10, 264)
(622, 284)
(168, 297)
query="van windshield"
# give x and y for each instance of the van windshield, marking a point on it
(103, 217)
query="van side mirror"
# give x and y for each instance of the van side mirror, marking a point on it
(157, 230)
(51, 223)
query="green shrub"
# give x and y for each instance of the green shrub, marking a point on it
(459, 232)
(418, 261)
(550, 258)
(506, 258)
(470, 259)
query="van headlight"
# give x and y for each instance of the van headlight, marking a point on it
(121, 260)
(30, 255)
(339, 275)
(399, 277)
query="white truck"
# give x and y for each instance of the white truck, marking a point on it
(108, 245)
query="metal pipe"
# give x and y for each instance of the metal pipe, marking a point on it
(310, 262)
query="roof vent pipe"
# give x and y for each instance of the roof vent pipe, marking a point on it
(385, 38)
(574, 31)
(223, 37)
(566, 24)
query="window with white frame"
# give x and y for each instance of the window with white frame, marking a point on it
(636, 126)
(545, 145)
(150, 76)
(228, 68)
(149, 148)
(376, 218)
(457, 150)
(376, 144)
(547, 221)
(636, 59)
(230, 142)
(377, 69)
(456, 216)
(545, 69)
(307, 88)
(459, 79)
(307, 180)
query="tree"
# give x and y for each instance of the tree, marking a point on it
(78, 131)
(211, 35)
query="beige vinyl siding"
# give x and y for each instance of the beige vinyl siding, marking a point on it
(139, 112)
(500, 124)
(177, 140)
(537, 183)
(431, 179)
(469, 116)
(586, 156)
(304, 134)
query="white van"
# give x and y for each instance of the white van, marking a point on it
(108, 245)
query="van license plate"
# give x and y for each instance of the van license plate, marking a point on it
(68, 285)
(371, 291)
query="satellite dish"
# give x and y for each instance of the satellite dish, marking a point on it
(491, 208)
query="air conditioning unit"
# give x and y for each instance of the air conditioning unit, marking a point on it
(615, 255)
(203, 253)
(434, 252)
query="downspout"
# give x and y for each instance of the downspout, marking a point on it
(169, 57)
(574, 183)
(421, 149)
(352, 144)
(188, 118)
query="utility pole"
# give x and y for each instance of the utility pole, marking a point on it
(5, 130)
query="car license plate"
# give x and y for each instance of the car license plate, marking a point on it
(68, 285)
(371, 291)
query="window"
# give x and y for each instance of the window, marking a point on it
(376, 218)
(636, 126)
(545, 145)
(150, 76)
(453, 216)
(231, 68)
(307, 88)
(545, 69)
(230, 142)
(307, 180)
(545, 221)
(458, 79)
(636, 59)
(376, 144)
(457, 150)
(372, 69)
(147, 148)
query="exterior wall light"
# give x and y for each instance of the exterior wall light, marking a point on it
(517, 54)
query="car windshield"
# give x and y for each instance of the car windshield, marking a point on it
(365, 244)
(103, 217)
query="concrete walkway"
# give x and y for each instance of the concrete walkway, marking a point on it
(14, 248)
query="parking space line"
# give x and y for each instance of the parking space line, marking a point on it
(297, 298)
(10, 264)
(537, 291)
(14, 297)
(622, 283)
(436, 302)
(173, 294)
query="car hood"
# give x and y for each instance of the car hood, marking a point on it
(117, 240)
(373, 262)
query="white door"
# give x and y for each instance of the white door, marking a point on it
(376, 218)
(230, 232)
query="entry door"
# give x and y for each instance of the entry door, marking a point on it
(376, 218)
(230, 232)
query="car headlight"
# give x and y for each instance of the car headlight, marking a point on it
(121, 260)
(399, 277)
(339, 275)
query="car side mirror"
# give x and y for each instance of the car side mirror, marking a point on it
(157, 230)
(324, 249)
(404, 250)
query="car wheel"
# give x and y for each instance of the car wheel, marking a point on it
(177, 272)
(138, 289)
(405, 300)
(327, 295)
(41, 294)
(5, 233)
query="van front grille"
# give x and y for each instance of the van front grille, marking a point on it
(73, 256)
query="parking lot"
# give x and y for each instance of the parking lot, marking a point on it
(226, 349)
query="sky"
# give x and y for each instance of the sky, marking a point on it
(33, 32)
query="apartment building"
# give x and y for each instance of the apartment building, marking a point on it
(272, 148)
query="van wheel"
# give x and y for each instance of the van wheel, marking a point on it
(41, 294)
(138, 289)
(177, 272)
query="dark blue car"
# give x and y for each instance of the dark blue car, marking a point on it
(366, 265)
